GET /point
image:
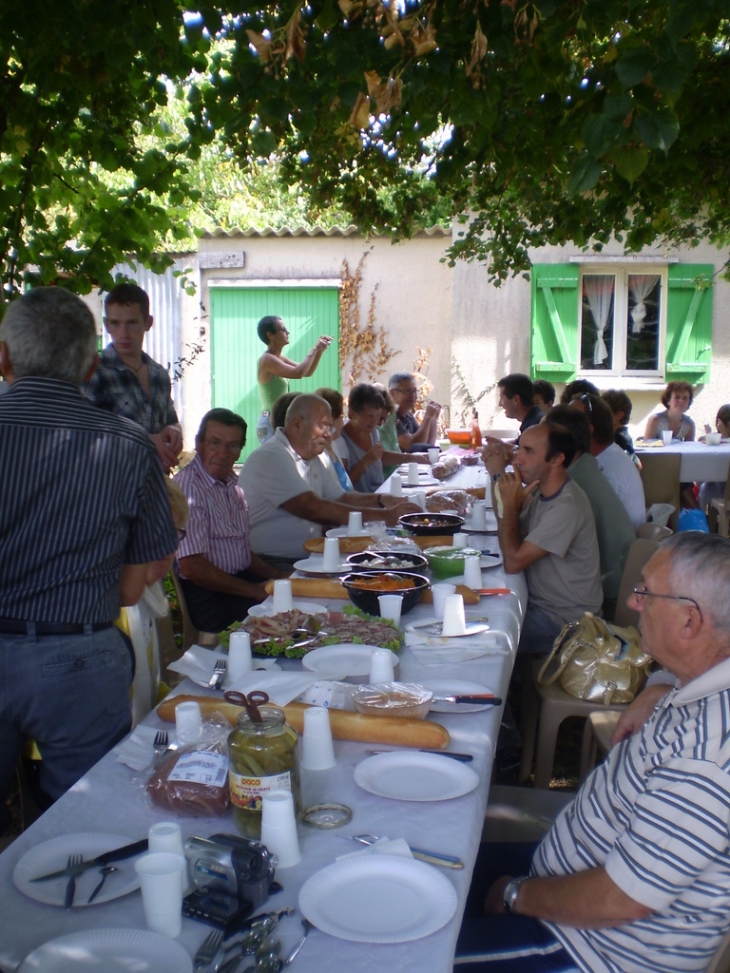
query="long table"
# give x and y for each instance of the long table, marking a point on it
(700, 463)
(111, 799)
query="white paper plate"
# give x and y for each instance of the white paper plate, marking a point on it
(345, 532)
(432, 626)
(415, 776)
(452, 687)
(310, 607)
(342, 659)
(378, 899)
(53, 854)
(315, 565)
(490, 561)
(110, 951)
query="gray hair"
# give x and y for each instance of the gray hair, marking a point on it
(700, 569)
(303, 406)
(400, 377)
(50, 333)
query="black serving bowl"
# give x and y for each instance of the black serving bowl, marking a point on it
(410, 562)
(366, 599)
(432, 525)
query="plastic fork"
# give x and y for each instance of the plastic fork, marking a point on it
(74, 861)
(219, 671)
(207, 950)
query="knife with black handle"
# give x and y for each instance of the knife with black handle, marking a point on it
(115, 855)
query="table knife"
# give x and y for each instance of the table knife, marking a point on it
(463, 757)
(116, 855)
(484, 699)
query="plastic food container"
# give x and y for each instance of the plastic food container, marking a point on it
(447, 562)
(393, 699)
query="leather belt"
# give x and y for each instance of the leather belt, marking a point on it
(16, 626)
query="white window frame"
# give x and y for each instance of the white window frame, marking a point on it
(621, 272)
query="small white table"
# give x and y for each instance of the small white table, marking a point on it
(700, 463)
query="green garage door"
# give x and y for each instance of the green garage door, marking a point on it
(307, 312)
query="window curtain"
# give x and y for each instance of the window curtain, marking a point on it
(640, 286)
(599, 291)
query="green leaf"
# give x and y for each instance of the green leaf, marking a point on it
(584, 175)
(658, 130)
(633, 65)
(630, 162)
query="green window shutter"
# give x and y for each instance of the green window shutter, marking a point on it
(236, 348)
(554, 325)
(689, 322)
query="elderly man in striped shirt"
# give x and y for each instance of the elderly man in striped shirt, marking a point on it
(634, 876)
(220, 576)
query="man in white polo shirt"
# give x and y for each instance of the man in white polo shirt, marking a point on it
(292, 496)
(634, 876)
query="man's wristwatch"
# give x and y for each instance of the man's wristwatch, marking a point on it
(511, 892)
(495, 477)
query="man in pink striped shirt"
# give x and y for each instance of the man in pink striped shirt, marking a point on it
(220, 576)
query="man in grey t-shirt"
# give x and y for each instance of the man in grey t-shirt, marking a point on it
(547, 530)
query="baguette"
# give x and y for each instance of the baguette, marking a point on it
(394, 730)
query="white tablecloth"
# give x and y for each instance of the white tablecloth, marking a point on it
(700, 463)
(111, 799)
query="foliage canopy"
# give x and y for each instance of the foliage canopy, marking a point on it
(542, 122)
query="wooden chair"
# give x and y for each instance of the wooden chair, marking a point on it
(660, 476)
(545, 707)
(191, 635)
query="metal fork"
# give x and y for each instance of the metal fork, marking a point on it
(74, 861)
(160, 742)
(207, 950)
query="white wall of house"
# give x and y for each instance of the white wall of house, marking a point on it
(413, 295)
(491, 335)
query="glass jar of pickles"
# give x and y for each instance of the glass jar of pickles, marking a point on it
(263, 758)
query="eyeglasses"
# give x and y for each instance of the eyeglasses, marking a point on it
(586, 400)
(641, 591)
(233, 448)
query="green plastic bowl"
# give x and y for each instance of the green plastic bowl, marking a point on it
(447, 562)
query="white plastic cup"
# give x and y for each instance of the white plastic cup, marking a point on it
(434, 454)
(439, 592)
(239, 656)
(381, 666)
(282, 596)
(419, 497)
(413, 474)
(479, 515)
(460, 540)
(454, 618)
(279, 828)
(188, 722)
(473, 571)
(354, 523)
(390, 607)
(165, 836)
(396, 485)
(161, 876)
(667, 437)
(331, 556)
(713, 438)
(318, 752)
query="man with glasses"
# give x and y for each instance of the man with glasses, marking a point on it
(292, 496)
(220, 576)
(634, 875)
(412, 435)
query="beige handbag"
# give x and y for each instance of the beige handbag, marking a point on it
(597, 661)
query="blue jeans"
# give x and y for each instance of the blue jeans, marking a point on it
(539, 631)
(71, 694)
(502, 943)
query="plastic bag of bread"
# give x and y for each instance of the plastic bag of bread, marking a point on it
(194, 780)
(449, 500)
(445, 467)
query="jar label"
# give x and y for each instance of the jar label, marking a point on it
(201, 767)
(248, 792)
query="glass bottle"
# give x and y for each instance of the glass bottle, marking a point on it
(263, 758)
